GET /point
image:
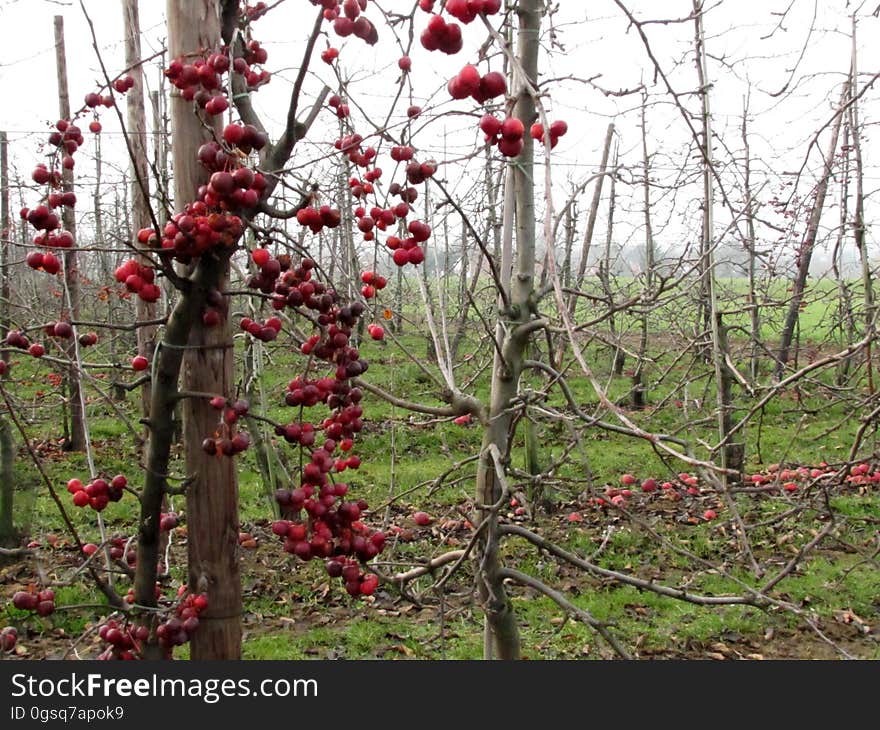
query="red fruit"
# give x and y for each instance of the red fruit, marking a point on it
(90, 548)
(422, 519)
(490, 125)
(628, 479)
(216, 105)
(95, 126)
(51, 263)
(649, 485)
(41, 175)
(24, 601)
(510, 147)
(81, 498)
(558, 128)
(74, 486)
(376, 332)
(45, 608)
(469, 80)
(8, 638)
(404, 63)
(211, 318)
(369, 585)
(233, 134)
(512, 129)
(492, 84)
(260, 256)
(63, 329)
(36, 350)
(401, 257)
(709, 514)
(537, 132)
(140, 363)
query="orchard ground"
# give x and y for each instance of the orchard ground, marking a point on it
(293, 611)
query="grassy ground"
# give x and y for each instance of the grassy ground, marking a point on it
(292, 611)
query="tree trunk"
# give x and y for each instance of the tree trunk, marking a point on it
(140, 182)
(76, 435)
(753, 306)
(7, 446)
(639, 391)
(594, 210)
(806, 251)
(212, 495)
(859, 214)
(501, 621)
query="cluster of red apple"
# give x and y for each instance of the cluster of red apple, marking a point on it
(253, 12)
(349, 21)
(68, 138)
(342, 109)
(373, 283)
(232, 443)
(467, 10)
(440, 35)
(123, 84)
(270, 269)
(124, 640)
(8, 638)
(350, 144)
(332, 528)
(265, 331)
(292, 287)
(196, 230)
(468, 82)
(407, 250)
(201, 81)
(226, 446)
(557, 130)
(359, 188)
(178, 629)
(507, 134)
(93, 100)
(138, 279)
(316, 219)
(98, 493)
(47, 262)
(42, 602)
(116, 548)
(17, 339)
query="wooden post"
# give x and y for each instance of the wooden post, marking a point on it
(7, 450)
(140, 184)
(212, 495)
(76, 437)
(6, 234)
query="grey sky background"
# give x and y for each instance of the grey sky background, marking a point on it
(756, 52)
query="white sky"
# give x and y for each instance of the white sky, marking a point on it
(594, 40)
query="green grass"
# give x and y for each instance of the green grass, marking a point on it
(786, 430)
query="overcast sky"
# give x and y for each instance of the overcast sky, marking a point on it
(755, 48)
